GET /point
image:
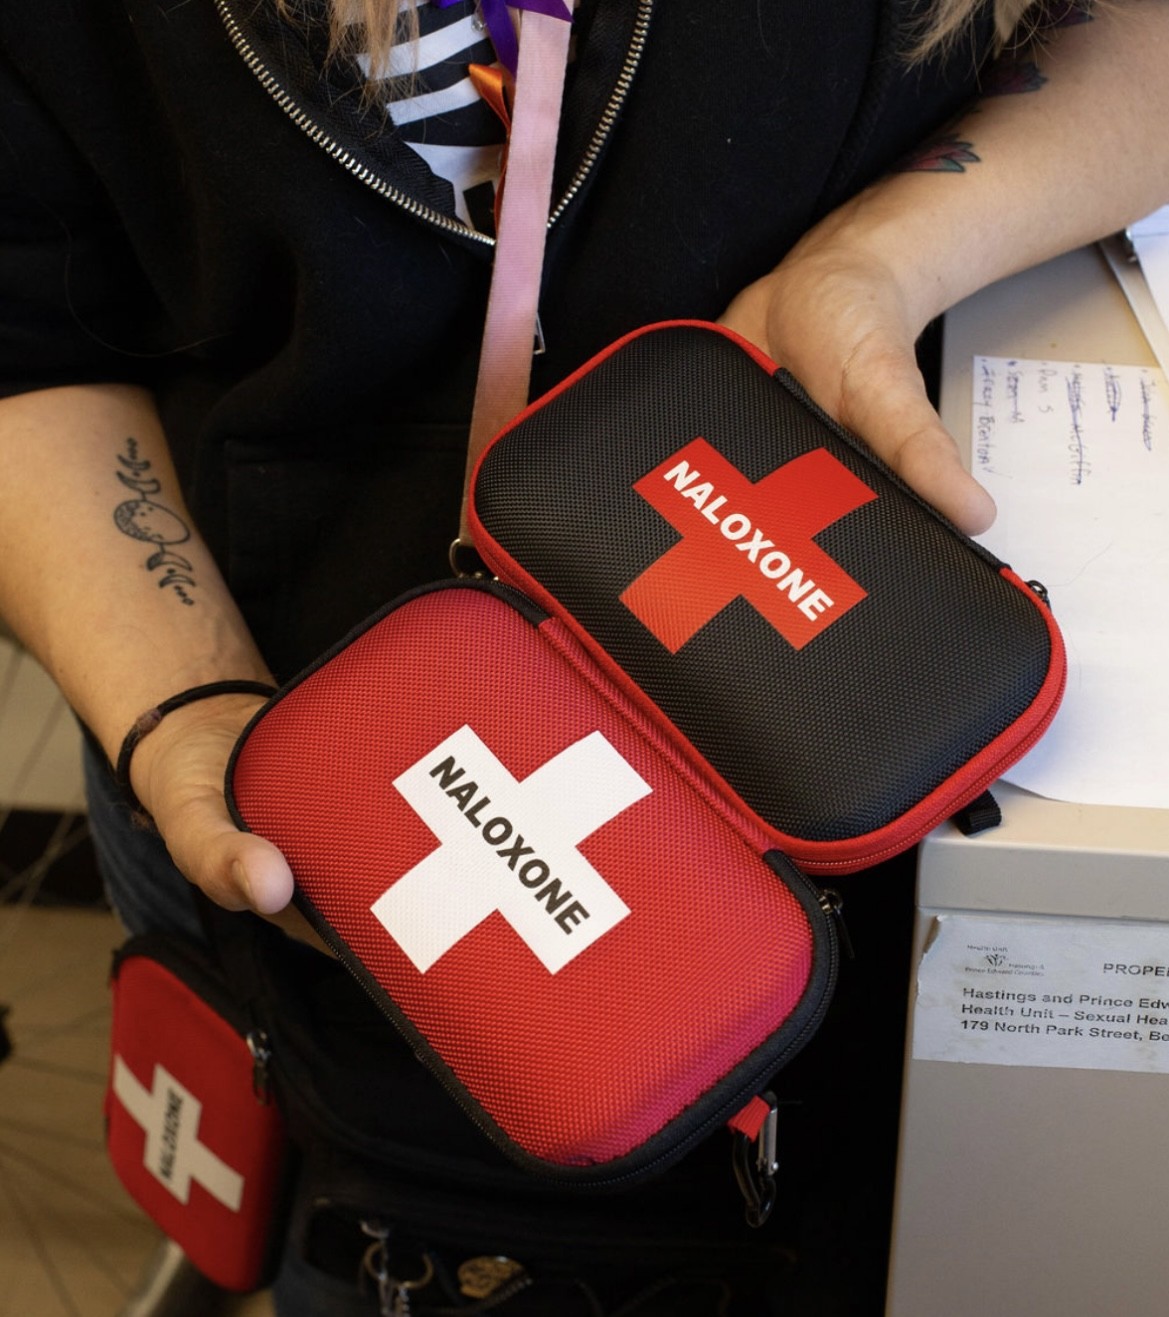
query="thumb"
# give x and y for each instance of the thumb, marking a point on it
(884, 402)
(237, 870)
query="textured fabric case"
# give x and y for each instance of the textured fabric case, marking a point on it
(191, 1140)
(597, 956)
(853, 668)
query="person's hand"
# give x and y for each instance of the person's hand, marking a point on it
(838, 320)
(178, 774)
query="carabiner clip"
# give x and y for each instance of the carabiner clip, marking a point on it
(466, 563)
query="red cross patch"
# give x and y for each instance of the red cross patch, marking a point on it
(749, 540)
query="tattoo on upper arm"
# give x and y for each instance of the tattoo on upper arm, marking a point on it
(1067, 13)
(1012, 78)
(143, 519)
(945, 154)
(949, 153)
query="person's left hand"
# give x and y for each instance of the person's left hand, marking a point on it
(837, 319)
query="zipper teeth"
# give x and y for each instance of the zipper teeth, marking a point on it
(768, 1068)
(329, 144)
(612, 109)
(541, 1170)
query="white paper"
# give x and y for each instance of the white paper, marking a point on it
(1151, 225)
(1081, 994)
(1076, 455)
(1150, 244)
(1139, 258)
(1118, 252)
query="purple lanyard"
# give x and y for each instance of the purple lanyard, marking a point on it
(499, 24)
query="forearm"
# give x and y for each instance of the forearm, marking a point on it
(102, 574)
(104, 577)
(1073, 149)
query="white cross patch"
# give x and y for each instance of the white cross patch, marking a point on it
(170, 1115)
(509, 846)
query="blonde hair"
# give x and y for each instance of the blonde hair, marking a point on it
(946, 20)
(372, 27)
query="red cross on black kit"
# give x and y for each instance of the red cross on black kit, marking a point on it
(549, 821)
(852, 668)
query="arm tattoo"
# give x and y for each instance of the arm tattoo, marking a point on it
(945, 154)
(1013, 78)
(143, 519)
(1067, 13)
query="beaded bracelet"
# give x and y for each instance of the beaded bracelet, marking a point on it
(149, 720)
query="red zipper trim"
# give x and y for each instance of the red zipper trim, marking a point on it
(985, 768)
(842, 856)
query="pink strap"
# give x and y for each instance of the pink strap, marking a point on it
(505, 364)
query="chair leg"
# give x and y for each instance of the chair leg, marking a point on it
(171, 1286)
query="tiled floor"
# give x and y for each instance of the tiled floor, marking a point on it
(72, 1243)
(70, 1240)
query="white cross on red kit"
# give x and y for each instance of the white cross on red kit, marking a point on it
(169, 1113)
(509, 846)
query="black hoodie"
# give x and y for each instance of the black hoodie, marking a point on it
(190, 200)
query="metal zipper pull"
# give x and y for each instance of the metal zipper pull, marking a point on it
(832, 903)
(375, 1265)
(258, 1044)
(396, 1293)
(754, 1131)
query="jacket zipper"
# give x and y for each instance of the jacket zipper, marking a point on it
(336, 151)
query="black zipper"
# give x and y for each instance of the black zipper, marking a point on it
(822, 908)
(192, 965)
(811, 899)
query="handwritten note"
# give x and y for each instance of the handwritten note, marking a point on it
(1077, 457)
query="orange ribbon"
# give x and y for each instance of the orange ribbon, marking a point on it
(495, 85)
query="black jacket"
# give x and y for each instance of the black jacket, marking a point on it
(186, 200)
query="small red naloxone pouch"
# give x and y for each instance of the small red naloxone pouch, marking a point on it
(190, 1128)
(850, 668)
(596, 953)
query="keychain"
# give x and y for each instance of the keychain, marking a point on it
(393, 1292)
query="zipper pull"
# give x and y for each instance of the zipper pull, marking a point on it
(982, 813)
(754, 1156)
(832, 903)
(258, 1045)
